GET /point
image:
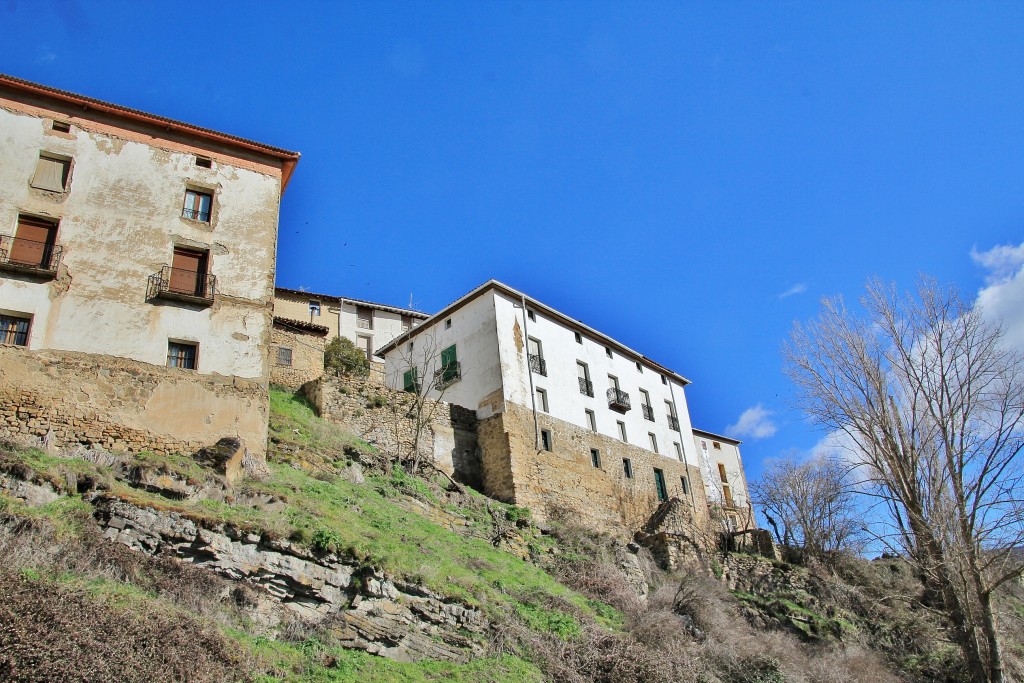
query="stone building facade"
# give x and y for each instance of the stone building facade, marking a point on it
(571, 422)
(366, 324)
(296, 352)
(137, 260)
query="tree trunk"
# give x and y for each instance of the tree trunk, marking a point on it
(990, 627)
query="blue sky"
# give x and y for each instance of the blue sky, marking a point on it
(687, 177)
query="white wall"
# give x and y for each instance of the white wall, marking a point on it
(565, 401)
(727, 454)
(119, 222)
(386, 326)
(472, 330)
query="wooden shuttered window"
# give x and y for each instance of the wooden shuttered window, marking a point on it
(409, 381)
(51, 174)
(33, 241)
(188, 272)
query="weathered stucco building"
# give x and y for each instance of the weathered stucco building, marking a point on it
(366, 324)
(137, 262)
(725, 480)
(571, 422)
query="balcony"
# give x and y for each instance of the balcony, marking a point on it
(618, 400)
(448, 375)
(179, 284)
(29, 257)
(538, 365)
(586, 387)
(196, 215)
(648, 412)
(673, 422)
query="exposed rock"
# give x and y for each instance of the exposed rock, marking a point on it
(32, 493)
(224, 457)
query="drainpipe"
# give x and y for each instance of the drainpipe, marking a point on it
(529, 373)
(682, 442)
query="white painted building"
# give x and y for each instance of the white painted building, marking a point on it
(496, 349)
(724, 478)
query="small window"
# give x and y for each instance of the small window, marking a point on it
(654, 441)
(284, 356)
(197, 206)
(684, 482)
(659, 485)
(365, 344)
(679, 451)
(51, 173)
(450, 370)
(61, 126)
(721, 473)
(542, 399)
(409, 381)
(364, 317)
(204, 162)
(406, 323)
(314, 308)
(181, 355)
(627, 468)
(608, 351)
(531, 315)
(639, 368)
(622, 429)
(545, 439)
(664, 380)
(14, 330)
(448, 324)
(595, 457)
(579, 338)
(717, 446)
(410, 347)
(592, 420)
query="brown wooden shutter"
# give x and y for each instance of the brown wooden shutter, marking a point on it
(188, 272)
(32, 241)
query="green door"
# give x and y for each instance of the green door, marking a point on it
(449, 364)
(659, 483)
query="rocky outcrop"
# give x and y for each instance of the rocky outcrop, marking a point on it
(365, 608)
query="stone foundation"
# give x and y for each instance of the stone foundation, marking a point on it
(68, 398)
(564, 483)
(307, 356)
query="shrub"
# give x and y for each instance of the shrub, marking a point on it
(342, 356)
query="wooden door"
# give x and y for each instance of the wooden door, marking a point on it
(188, 272)
(33, 242)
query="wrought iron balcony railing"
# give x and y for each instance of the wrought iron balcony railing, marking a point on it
(538, 364)
(183, 285)
(648, 412)
(586, 387)
(29, 256)
(449, 374)
(618, 400)
(196, 215)
(673, 422)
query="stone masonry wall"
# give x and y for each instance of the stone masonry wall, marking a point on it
(69, 398)
(564, 482)
(307, 357)
(380, 416)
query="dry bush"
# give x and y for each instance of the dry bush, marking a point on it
(49, 632)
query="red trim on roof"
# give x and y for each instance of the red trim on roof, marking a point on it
(288, 159)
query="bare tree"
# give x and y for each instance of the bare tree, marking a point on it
(424, 371)
(934, 403)
(810, 505)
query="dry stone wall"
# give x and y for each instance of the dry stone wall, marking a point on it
(68, 398)
(382, 417)
(564, 481)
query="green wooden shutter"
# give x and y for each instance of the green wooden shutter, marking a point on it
(449, 367)
(409, 380)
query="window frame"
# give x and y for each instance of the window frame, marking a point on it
(182, 345)
(546, 440)
(595, 457)
(280, 356)
(622, 431)
(194, 214)
(542, 399)
(591, 419)
(12, 333)
(627, 468)
(66, 163)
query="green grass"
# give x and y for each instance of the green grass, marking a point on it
(314, 662)
(294, 422)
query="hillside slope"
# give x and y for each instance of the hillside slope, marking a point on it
(342, 567)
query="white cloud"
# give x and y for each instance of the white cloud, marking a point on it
(798, 288)
(1002, 298)
(754, 423)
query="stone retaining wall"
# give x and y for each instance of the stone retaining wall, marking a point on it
(68, 398)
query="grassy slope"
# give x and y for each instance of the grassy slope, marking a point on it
(371, 521)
